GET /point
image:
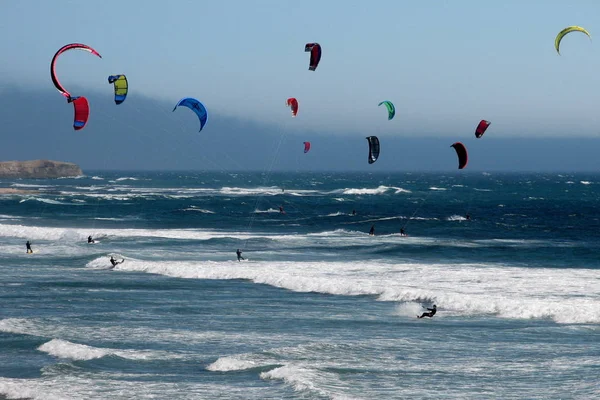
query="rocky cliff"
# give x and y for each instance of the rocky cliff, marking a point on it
(38, 169)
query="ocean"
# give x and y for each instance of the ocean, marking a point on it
(319, 309)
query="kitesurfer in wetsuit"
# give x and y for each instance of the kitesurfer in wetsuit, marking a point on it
(115, 262)
(239, 255)
(28, 245)
(402, 233)
(468, 217)
(90, 240)
(353, 212)
(372, 230)
(429, 314)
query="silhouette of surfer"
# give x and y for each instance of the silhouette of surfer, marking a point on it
(402, 233)
(281, 211)
(372, 230)
(239, 255)
(353, 212)
(429, 314)
(28, 246)
(115, 262)
(90, 240)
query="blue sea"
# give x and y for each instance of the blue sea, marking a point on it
(319, 309)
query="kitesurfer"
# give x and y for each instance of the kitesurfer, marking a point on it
(115, 262)
(239, 255)
(353, 212)
(468, 217)
(372, 230)
(90, 240)
(281, 211)
(429, 314)
(402, 233)
(28, 246)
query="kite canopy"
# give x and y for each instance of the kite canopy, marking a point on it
(390, 108)
(373, 148)
(196, 107)
(82, 112)
(72, 46)
(481, 128)
(121, 87)
(568, 29)
(461, 152)
(293, 104)
(315, 55)
(306, 147)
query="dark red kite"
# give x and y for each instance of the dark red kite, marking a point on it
(306, 147)
(315, 54)
(483, 125)
(461, 152)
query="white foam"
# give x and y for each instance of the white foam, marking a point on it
(65, 349)
(456, 218)
(126, 178)
(269, 210)
(49, 201)
(437, 188)
(224, 364)
(379, 190)
(458, 289)
(585, 182)
(200, 210)
(98, 178)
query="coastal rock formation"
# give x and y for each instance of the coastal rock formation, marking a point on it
(39, 169)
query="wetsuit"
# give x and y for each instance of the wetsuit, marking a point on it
(372, 231)
(239, 255)
(28, 245)
(429, 314)
(90, 240)
(402, 232)
(113, 262)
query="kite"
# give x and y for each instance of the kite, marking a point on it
(121, 87)
(82, 112)
(481, 128)
(196, 107)
(461, 152)
(306, 147)
(390, 108)
(293, 104)
(373, 148)
(72, 46)
(315, 55)
(568, 29)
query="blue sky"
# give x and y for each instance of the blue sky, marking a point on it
(445, 64)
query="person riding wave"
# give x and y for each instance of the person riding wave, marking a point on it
(239, 255)
(429, 314)
(115, 262)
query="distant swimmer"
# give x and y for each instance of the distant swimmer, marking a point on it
(402, 233)
(468, 217)
(429, 314)
(372, 230)
(90, 240)
(28, 245)
(353, 212)
(115, 262)
(239, 255)
(281, 211)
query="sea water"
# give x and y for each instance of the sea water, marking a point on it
(319, 309)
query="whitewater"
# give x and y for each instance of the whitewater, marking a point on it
(319, 309)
